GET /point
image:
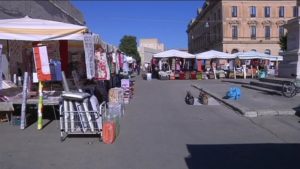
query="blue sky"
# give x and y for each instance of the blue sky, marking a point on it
(165, 20)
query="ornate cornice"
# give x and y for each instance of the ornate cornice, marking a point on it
(234, 22)
(267, 23)
(280, 22)
(252, 23)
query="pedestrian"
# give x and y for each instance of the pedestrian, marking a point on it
(138, 68)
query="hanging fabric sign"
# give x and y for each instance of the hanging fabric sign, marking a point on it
(102, 72)
(88, 43)
(42, 63)
(1, 66)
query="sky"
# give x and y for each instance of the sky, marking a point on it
(165, 20)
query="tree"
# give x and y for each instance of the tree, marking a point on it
(128, 45)
(283, 42)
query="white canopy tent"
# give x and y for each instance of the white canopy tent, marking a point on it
(251, 55)
(213, 54)
(174, 53)
(257, 55)
(275, 58)
(29, 29)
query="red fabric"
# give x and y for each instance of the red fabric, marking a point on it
(193, 75)
(63, 51)
(199, 65)
(181, 75)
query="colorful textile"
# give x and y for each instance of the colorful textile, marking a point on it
(102, 68)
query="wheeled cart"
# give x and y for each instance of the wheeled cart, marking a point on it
(77, 118)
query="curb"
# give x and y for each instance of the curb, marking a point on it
(245, 111)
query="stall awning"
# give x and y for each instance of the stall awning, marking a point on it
(29, 29)
(213, 54)
(174, 53)
(252, 55)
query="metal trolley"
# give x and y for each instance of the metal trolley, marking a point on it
(76, 118)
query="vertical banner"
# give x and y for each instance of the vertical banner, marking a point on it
(42, 63)
(1, 66)
(88, 43)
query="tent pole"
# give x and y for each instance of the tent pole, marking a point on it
(234, 73)
(251, 71)
(40, 107)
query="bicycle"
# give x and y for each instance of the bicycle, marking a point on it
(291, 88)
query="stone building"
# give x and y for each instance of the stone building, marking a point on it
(13, 52)
(148, 47)
(240, 25)
(56, 10)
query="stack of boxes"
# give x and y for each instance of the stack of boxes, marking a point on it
(125, 85)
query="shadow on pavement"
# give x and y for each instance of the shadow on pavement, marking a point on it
(271, 93)
(297, 109)
(235, 82)
(244, 156)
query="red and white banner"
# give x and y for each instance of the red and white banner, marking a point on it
(42, 63)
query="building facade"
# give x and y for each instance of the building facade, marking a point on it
(148, 47)
(56, 10)
(240, 25)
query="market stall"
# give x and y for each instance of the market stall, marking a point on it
(20, 38)
(217, 63)
(254, 63)
(173, 64)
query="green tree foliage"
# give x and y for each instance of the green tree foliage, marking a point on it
(128, 45)
(283, 42)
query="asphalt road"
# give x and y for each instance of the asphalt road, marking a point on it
(160, 131)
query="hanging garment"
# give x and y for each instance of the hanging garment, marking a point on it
(121, 60)
(199, 67)
(55, 68)
(102, 68)
(42, 63)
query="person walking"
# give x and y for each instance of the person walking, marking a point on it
(138, 67)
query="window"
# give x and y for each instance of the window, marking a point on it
(295, 11)
(267, 32)
(253, 32)
(268, 51)
(252, 11)
(234, 11)
(267, 11)
(254, 50)
(281, 31)
(234, 32)
(281, 11)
